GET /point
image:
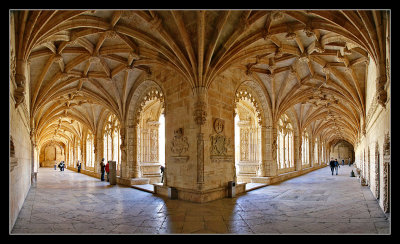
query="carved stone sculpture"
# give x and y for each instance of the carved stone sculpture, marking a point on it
(219, 142)
(179, 143)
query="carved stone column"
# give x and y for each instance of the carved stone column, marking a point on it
(263, 165)
(386, 174)
(299, 164)
(33, 146)
(272, 169)
(200, 117)
(124, 170)
(377, 173)
(135, 170)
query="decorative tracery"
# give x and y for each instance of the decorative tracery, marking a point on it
(244, 94)
(112, 141)
(305, 149)
(90, 158)
(285, 142)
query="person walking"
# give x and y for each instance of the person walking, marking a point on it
(79, 166)
(336, 166)
(162, 168)
(102, 169)
(55, 165)
(60, 166)
(342, 161)
(332, 165)
(108, 171)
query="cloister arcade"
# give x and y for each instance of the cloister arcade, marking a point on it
(250, 96)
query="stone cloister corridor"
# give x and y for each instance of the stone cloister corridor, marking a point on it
(228, 118)
(72, 203)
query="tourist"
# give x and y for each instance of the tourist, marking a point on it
(108, 170)
(342, 161)
(102, 168)
(162, 168)
(55, 165)
(79, 166)
(61, 166)
(332, 164)
(336, 166)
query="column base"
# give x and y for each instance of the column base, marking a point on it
(196, 195)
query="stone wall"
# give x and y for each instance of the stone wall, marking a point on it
(343, 150)
(21, 164)
(372, 144)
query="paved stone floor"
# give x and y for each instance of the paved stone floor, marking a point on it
(316, 203)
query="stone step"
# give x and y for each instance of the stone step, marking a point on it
(140, 181)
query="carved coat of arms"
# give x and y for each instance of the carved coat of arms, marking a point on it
(179, 144)
(219, 142)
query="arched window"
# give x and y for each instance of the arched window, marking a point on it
(316, 160)
(285, 143)
(305, 149)
(90, 150)
(112, 141)
(79, 150)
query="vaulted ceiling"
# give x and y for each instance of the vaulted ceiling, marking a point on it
(312, 63)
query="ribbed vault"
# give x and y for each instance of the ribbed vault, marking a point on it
(312, 63)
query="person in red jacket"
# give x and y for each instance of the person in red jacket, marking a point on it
(108, 171)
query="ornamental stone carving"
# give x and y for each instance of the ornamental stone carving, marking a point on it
(274, 148)
(219, 142)
(152, 94)
(245, 94)
(219, 125)
(19, 92)
(200, 114)
(179, 143)
(381, 93)
(377, 173)
(386, 145)
(386, 173)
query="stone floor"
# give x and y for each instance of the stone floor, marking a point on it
(316, 203)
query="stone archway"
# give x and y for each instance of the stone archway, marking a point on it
(258, 107)
(146, 106)
(247, 137)
(51, 153)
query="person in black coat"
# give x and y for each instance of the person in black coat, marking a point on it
(102, 169)
(332, 165)
(162, 168)
(336, 166)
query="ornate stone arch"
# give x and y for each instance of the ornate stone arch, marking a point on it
(258, 96)
(145, 91)
(254, 92)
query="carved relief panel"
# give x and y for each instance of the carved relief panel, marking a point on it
(179, 144)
